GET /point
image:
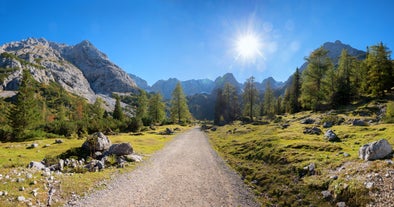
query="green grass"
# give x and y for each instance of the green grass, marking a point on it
(272, 159)
(14, 157)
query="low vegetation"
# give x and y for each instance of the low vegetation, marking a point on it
(286, 167)
(17, 180)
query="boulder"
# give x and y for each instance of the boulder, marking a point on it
(120, 149)
(331, 136)
(327, 124)
(307, 121)
(313, 130)
(58, 141)
(358, 122)
(97, 142)
(36, 165)
(375, 150)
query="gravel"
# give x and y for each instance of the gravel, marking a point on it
(187, 172)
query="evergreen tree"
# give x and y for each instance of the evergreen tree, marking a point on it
(286, 104)
(179, 110)
(330, 85)
(345, 90)
(118, 111)
(295, 93)
(312, 90)
(142, 105)
(380, 71)
(250, 96)
(156, 109)
(25, 114)
(269, 101)
(220, 105)
(231, 105)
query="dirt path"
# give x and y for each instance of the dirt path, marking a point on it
(187, 172)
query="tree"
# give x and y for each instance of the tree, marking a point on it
(250, 97)
(25, 114)
(344, 90)
(179, 110)
(142, 105)
(219, 108)
(380, 71)
(231, 106)
(269, 101)
(312, 90)
(156, 109)
(295, 93)
(118, 111)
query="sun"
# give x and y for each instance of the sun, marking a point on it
(248, 46)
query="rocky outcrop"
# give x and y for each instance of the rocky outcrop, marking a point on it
(81, 69)
(120, 149)
(375, 150)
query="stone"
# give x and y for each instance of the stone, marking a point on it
(21, 199)
(375, 150)
(334, 177)
(19, 180)
(21, 188)
(331, 136)
(326, 195)
(358, 122)
(133, 158)
(345, 154)
(34, 145)
(97, 142)
(36, 165)
(47, 145)
(61, 164)
(120, 149)
(327, 124)
(369, 185)
(100, 165)
(58, 141)
(313, 130)
(341, 204)
(169, 131)
(307, 121)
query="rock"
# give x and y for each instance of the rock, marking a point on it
(58, 141)
(100, 165)
(34, 192)
(169, 131)
(334, 177)
(213, 129)
(369, 185)
(307, 121)
(331, 136)
(341, 204)
(345, 154)
(1, 193)
(358, 122)
(375, 150)
(133, 158)
(120, 149)
(21, 188)
(327, 124)
(61, 164)
(313, 130)
(284, 126)
(97, 142)
(21, 199)
(19, 180)
(311, 168)
(326, 195)
(47, 145)
(36, 165)
(34, 145)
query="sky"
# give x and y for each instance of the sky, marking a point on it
(196, 39)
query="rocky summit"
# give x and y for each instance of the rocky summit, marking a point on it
(80, 69)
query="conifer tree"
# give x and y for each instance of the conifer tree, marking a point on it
(295, 93)
(312, 90)
(250, 96)
(269, 101)
(118, 111)
(231, 105)
(156, 109)
(25, 113)
(179, 110)
(142, 105)
(380, 71)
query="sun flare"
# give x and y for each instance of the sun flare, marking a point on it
(248, 46)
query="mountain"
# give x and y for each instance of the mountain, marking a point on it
(80, 69)
(141, 83)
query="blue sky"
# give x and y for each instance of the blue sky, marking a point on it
(193, 39)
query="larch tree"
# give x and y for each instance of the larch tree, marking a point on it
(312, 90)
(295, 93)
(142, 105)
(250, 97)
(156, 108)
(179, 111)
(118, 111)
(269, 101)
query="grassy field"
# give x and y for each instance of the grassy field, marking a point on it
(17, 180)
(273, 160)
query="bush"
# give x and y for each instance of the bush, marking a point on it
(389, 117)
(135, 124)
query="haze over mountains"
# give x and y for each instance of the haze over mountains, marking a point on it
(85, 71)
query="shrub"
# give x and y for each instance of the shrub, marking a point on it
(389, 117)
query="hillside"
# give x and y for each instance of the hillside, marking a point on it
(80, 69)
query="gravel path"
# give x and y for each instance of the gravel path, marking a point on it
(187, 172)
